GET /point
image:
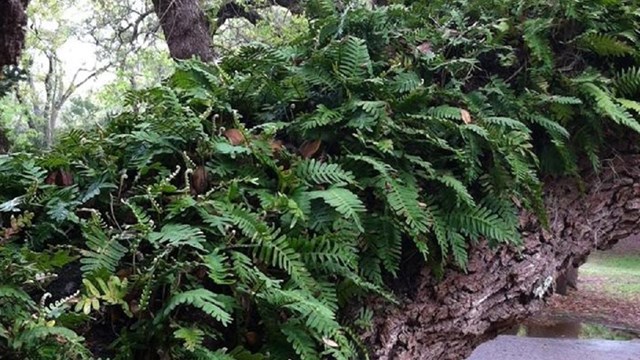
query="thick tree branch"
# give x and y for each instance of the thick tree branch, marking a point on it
(231, 9)
(448, 319)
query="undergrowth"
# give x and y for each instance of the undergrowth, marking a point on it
(233, 212)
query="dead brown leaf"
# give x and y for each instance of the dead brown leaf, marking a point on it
(466, 116)
(235, 136)
(309, 148)
(199, 180)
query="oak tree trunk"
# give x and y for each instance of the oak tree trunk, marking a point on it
(185, 28)
(447, 319)
(13, 21)
(4, 142)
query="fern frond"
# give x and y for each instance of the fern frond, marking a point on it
(302, 342)
(480, 221)
(330, 252)
(630, 104)
(506, 122)
(321, 117)
(403, 200)
(627, 82)
(7, 291)
(458, 187)
(343, 201)
(316, 315)
(606, 45)
(352, 58)
(405, 82)
(177, 235)
(552, 127)
(278, 253)
(103, 252)
(40, 333)
(317, 172)
(445, 112)
(202, 299)
(606, 106)
(219, 268)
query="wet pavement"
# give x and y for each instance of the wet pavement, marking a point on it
(507, 347)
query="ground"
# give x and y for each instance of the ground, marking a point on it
(606, 304)
(606, 307)
(608, 293)
(521, 348)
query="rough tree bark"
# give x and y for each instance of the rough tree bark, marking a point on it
(13, 20)
(448, 319)
(185, 28)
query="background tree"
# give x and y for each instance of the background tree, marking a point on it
(118, 47)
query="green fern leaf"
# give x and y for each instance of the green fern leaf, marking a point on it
(460, 189)
(606, 106)
(303, 344)
(627, 82)
(343, 201)
(280, 254)
(104, 252)
(316, 172)
(40, 333)
(178, 235)
(606, 45)
(202, 299)
(403, 200)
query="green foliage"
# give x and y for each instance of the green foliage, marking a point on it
(242, 204)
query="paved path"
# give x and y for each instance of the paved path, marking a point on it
(526, 348)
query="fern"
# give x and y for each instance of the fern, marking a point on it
(278, 253)
(303, 343)
(202, 299)
(406, 82)
(7, 291)
(177, 235)
(352, 58)
(41, 333)
(343, 201)
(552, 127)
(433, 119)
(607, 107)
(458, 187)
(481, 221)
(321, 117)
(104, 252)
(316, 172)
(606, 45)
(403, 201)
(312, 312)
(627, 82)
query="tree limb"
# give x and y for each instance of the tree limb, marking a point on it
(447, 319)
